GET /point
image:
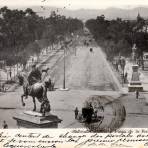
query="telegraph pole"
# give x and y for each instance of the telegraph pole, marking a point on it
(64, 71)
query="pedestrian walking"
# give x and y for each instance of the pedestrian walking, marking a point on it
(10, 73)
(137, 94)
(95, 114)
(5, 126)
(3, 87)
(125, 77)
(76, 112)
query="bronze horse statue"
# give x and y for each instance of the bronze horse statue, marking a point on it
(38, 91)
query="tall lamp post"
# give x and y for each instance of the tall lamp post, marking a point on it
(64, 69)
(64, 74)
(123, 62)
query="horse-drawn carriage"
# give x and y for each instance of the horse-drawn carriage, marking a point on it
(89, 115)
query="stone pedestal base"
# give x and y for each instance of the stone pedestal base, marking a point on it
(30, 119)
(64, 89)
(134, 87)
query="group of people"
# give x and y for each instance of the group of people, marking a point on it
(86, 43)
(119, 65)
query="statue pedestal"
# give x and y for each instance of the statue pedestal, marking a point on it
(135, 83)
(30, 119)
(132, 87)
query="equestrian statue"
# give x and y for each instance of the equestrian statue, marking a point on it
(36, 88)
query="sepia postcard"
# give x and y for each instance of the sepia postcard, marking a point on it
(73, 73)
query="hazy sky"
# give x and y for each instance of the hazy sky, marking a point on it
(76, 4)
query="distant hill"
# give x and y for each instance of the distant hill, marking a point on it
(85, 14)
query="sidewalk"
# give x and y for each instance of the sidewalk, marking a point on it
(136, 109)
(144, 80)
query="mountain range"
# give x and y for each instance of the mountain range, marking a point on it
(85, 14)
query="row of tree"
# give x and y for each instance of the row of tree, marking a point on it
(23, 32)
(118, 36)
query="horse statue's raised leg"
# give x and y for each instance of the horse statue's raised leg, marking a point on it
(24, 95)
(34, 109)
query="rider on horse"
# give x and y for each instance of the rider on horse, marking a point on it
(36, 88)
(34, 77)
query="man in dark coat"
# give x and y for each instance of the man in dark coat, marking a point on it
(76, 112)
(137, 94)
(34, 76)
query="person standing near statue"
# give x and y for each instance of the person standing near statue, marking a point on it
(10, 73)
(125, 77)
(137, 94)
(76, 112)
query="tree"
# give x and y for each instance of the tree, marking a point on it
(19, 31)
(118, 36)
